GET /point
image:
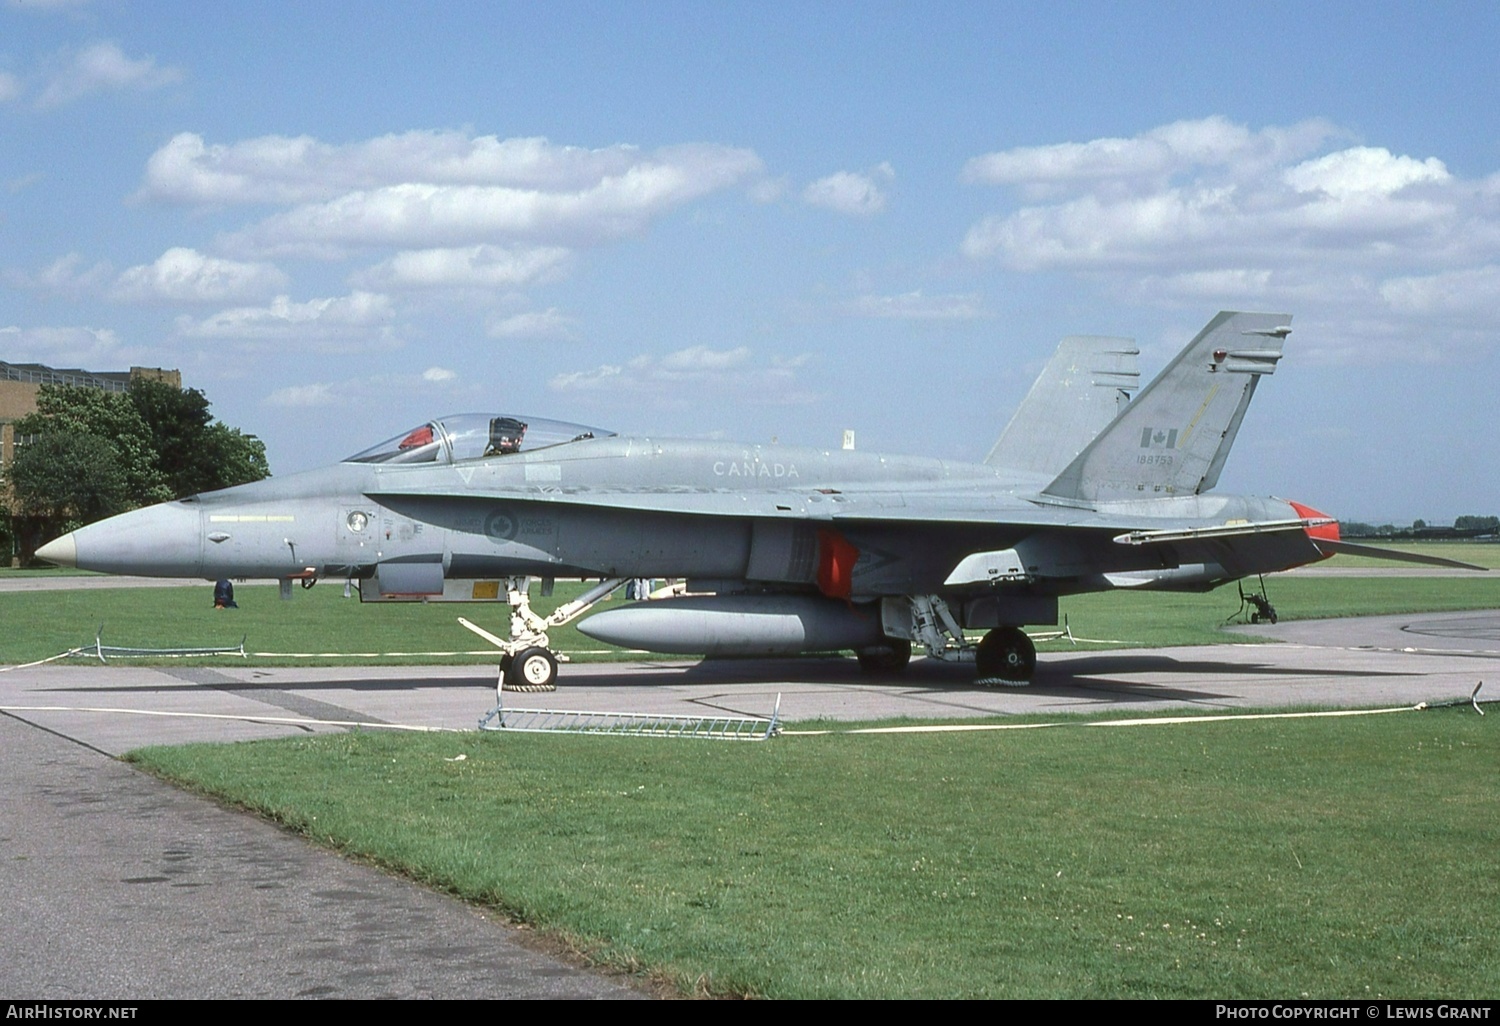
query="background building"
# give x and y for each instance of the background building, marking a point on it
(20, 382)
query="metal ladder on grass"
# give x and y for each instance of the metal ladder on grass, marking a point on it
(626, 724)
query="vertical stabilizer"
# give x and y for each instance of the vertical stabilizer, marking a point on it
(1084, 386)
(1175, 437)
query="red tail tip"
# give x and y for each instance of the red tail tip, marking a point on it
(1328, 531)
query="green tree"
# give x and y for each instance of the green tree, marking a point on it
(111, 417)
(59, 481)
(89, 454)
(194, 452)
(1476, 523)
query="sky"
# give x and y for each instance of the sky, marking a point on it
(768, 222)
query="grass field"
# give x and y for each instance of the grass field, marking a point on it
(39, 624)
(1351, 857)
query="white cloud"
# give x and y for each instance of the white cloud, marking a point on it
(917, 307)
(23, 183)
(847, 192)
(769, 190)
(1071, 162)
(426, 214)
(357, 317)
(1153, 156)
(377, 390)
(85, 347)
(1473, 290)
(482, 266)
(539, 324)
(1212, 212)
(182, 275)
(584, 381)
(474, 216)
(317, 394)
(696, 360)
(1364, 171)
(440, 191)
(65, 276)
(1091, 230)
(1361, 203)
(10, 87)
(101, 67)
(1218, 286)
(689, 376)
(300, 169)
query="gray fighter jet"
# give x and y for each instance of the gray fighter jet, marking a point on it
(782, 550)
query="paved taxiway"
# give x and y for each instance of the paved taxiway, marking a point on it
(119, 886)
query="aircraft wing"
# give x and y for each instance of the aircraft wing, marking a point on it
(923, 507)
(923, 514)
(904, 506)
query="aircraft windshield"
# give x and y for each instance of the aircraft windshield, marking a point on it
(472, 436)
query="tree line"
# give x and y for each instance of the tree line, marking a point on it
(1463, 527)
(87, 454)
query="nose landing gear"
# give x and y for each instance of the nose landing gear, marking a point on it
(527, 662)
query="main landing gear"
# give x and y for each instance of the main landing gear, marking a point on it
(1004, 655)
(527, 662)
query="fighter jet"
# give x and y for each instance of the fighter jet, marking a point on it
(782, 550)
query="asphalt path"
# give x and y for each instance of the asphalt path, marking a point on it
(119, 886)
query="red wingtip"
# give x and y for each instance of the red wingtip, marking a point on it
(1328, 531)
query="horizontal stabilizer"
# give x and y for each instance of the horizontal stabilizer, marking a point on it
(1330, 547)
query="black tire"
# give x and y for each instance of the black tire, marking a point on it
(891, 657)
(1007, 653)
(532, 669)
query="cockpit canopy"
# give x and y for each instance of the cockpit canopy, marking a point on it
(474, 436)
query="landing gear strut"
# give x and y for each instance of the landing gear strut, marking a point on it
(1005, 653)
(527, 662)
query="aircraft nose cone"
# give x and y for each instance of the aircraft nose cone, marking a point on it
(62, 551)
(158, 541)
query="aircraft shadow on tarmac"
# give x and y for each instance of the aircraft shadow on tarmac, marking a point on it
(1059, 676)
(1117, 662)
(358, 684)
